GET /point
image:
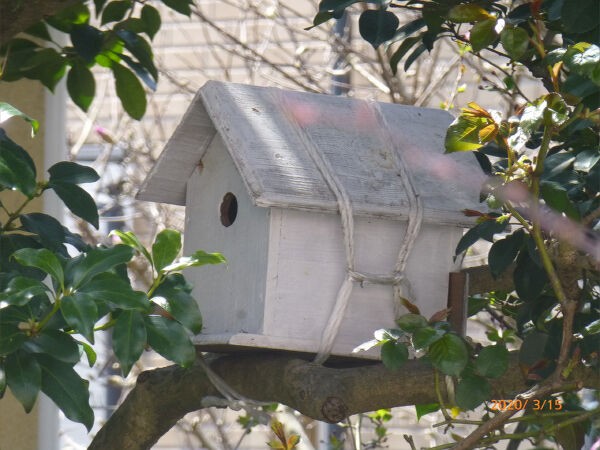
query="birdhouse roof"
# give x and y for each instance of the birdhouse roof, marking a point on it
(267, 132)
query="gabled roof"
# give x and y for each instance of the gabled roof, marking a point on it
(267, 130)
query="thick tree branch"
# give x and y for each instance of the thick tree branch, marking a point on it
(18, 15)
(162, 396)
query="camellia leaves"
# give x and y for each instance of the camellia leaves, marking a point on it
(483, 34)
(165, 249)
(503, 252)
(112, 290)
(50, 231)
(130, 91)
(394, 354)
(77, 200)
(81, 85)
(129, 339)
(492, 361)
(152, 20)
(449, 354)
(556, 197)
(70, 172)
(377, 26)
(199, 258)
(61, 383)
(57, 343)
(81, 313)
(87, 41)
(115, 11)
(181, 6)
(468, 13)
(182, 306)
(530, 279)
(17, 170)
(515, 41)
(427, 408)
(82, 269)
(7, 111)
(42, 259)
(169, 339)
(472, 391)
(24, 378)
(130, 239)
(21, 290)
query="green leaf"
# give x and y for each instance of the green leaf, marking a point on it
(77, 200)
(583, 59)
(533, 348)
(414, 55)
(427, 408)
(503, 252)
(70, 393)
(424, 337)
(571, 437)
(17, 170)
(181, 6)
(472, 391)
(515, 41)
(140, 49)
(556, 197)
(579, 16)
(394, 354)
(42, 259)
(492, 361)
(115, 11)
(81, 313)
(82, 269)
(70, 172)
(68, 18)
(449, 354)
(81, 85)
(56, 343)
(152, 21)
(130, 239)
(530, 279)
(48, 66)
(320, 18)
(484, 230)
(87, 41)
(129, 339)
(24, 377)
(592, 328)
(377, 26)
(7, 111)
(402, 50)
(11, 338)
(169, 339)
(483, 34)
(468, 13)
(165, 249)
(586, 160)
(112, 290)
(199, 258)
(408, 29)
(130, 91)
(89, 352)
(21, 290)
(181, 305)
(411, 322)
(50, 231)
(464, 135)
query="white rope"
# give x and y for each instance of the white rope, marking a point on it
(397, 278)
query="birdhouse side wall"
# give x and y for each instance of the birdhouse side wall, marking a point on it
(307, 264)
(231, 296)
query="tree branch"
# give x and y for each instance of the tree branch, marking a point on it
(162, 396)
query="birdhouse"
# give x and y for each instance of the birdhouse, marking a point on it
(265, 174)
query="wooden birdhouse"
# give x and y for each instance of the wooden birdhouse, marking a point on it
(262, 173)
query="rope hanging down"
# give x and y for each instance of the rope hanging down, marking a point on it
(415, 217)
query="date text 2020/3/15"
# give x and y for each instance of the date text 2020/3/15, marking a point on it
(553, 404)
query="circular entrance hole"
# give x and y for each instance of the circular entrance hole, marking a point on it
(229, 208)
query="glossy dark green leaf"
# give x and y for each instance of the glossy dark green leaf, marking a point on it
(483, 34)
(492, 361)
(181, 6)
(394, 354)
(424, 337)
(39, 30)
(17, 170)
(414, 56)
(533, 348)
(115, 11)
(556, 197)
(82, 269)
(530, 279)
(199, 258)
(169, 339)
(7, 111)
(66, 388)
(140, 49)
(50, 231)
(583, 58)
(503, 252)
(129, 339)
(48, 66)
(151, 19)
(468, 12)
(11, 338)
(89, 351)
(427, 408)
(484, 230)
(130, 239)
(402, 50)
(70, 172)
(166, 247)
(181, 305)
(586, 160)
(99, 5)
(472, 391)
(449, 354)
(320, 18)
(130, 91)
(81, 85)
(411, 322)
(571, 437)
(42, 259)
(81, 313)
(66, 19)
(56, 343)
(112, 290)
(408, 29)
(87, 41)
(21, 290)
(377, 26)
(515, 41)
(77, 200)
(11, 243)
(140, 71)
(579, 16)
(24, 378)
